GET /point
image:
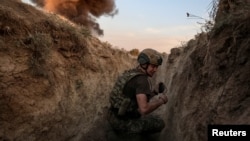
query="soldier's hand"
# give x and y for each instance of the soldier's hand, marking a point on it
(164, 98)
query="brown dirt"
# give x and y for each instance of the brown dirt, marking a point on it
(55, 77)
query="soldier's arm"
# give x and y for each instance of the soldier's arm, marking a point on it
(146, 107)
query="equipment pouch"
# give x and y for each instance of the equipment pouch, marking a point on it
(124, 105)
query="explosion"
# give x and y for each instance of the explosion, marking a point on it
(82, 12)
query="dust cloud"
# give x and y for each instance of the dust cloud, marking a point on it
(82, 12)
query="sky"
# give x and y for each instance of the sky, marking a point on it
(157, 24)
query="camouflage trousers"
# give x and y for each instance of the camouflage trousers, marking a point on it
(146, 124)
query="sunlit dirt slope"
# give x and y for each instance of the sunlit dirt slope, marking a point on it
(55, 77)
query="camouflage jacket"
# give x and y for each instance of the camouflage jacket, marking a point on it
(120, 101)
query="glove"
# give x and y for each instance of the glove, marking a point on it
(160, 88)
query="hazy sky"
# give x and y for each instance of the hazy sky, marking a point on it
(158, 24)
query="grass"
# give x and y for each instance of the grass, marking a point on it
(40, 44)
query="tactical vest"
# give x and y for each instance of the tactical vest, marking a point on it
(118, 100)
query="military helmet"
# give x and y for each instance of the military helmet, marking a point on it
(149, 56)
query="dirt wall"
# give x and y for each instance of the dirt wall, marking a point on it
(55, 77)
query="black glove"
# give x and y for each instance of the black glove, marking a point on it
(161, 87)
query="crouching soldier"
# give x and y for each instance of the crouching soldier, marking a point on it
(130, 99)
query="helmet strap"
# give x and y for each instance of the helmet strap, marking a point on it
(145, 67)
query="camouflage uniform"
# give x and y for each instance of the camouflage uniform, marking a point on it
(148, 124)
(123, 115)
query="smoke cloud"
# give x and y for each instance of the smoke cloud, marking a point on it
(83, 12)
